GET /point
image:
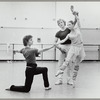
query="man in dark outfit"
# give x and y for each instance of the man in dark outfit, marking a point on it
(31, 69)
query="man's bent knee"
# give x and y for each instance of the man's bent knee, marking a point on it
(45, 69)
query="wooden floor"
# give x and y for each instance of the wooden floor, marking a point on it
(87, 84)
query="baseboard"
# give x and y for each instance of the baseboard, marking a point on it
(44, 60)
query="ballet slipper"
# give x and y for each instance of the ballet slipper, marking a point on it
(73, 84)
(59, 72)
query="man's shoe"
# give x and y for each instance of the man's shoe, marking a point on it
(7, 89)
(47, 88)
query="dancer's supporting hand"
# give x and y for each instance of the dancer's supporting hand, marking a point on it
(15, 51)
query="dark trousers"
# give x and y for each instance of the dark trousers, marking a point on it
(29, 73)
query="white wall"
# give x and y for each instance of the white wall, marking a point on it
(90, 36)
(88, 12)
(9, 35)
(38, 14)
(39, 19)
(44, 15)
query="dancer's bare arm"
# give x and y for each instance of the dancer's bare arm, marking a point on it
(78, 21)
(73, 12)
(46, 49)
(62, 41)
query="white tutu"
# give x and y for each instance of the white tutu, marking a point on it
(76, 51)
(66, 47)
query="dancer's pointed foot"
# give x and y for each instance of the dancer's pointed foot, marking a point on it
(59, 72)
(58, 82)
(73, 84)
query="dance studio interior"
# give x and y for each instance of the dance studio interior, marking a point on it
(39, 19)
